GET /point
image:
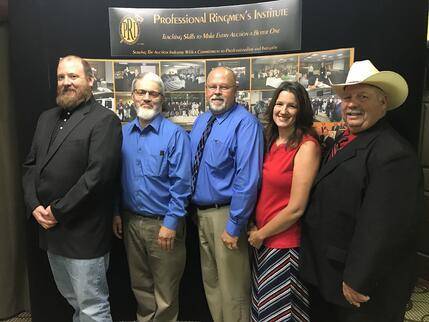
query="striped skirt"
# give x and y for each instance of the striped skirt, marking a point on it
(277, 292)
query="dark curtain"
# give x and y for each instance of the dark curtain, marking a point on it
(13, 269)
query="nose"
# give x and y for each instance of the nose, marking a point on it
(67, 80)
(350, 103)
(146, 97)
(283, 110)
(217, 90)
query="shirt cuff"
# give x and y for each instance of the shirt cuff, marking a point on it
(33, 206)
(170, 222)
(233, 229)
(55, 212)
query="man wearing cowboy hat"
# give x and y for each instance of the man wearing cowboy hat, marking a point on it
(358, 241)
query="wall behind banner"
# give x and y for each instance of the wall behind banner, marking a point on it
(391, 33)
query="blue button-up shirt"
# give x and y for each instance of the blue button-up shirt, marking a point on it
(156, 169)
(231, 164)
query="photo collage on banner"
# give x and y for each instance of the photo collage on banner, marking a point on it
(257, 78)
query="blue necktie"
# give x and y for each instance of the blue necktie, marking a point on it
(200, 150)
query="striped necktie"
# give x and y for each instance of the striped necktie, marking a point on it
(200, 150)
(340, 142)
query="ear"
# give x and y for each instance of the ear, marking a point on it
(383, 102)
(90, 81)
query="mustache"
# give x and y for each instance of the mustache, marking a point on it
(65, 89)
(215, 96)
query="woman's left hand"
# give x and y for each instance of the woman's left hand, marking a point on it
(255, 238)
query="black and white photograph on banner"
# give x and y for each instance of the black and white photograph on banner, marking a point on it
(126, 71)
(270, 72)
(124, 107)
(259, 104)
(240, 67)
(105, 99)
(102, 88)
(320, 69)
(326, 105)
(183, 108)
(183, 75)
(243, 98)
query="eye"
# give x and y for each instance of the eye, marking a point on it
(362, 97)
(60, 77)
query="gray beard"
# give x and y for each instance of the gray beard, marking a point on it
(147, 114)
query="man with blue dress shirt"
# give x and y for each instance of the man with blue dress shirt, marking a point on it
(156, 178)
(227, 153)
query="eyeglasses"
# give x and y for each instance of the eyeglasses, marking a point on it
(222, 88)
(143, 92)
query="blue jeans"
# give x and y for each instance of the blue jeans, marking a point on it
(83, 284)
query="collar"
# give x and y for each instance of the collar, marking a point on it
(223, 116)
(65, 114)
(381, 123)
(154, 124)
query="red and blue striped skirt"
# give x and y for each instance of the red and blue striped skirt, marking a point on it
(277, 292)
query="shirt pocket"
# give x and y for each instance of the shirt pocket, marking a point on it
(218, 155)
(154, 165)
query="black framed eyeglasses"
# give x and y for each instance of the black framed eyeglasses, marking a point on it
(143, 92)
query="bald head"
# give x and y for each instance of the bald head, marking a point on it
(221, 89)
(225, 72)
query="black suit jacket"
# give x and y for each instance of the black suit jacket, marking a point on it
(78, 176)
(361, 221)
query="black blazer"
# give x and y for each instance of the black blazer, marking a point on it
(361, 221)
(78, 176)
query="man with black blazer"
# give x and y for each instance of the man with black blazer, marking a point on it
(70, 180)
(358, 246)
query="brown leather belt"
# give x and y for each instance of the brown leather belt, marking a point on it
(157, 217)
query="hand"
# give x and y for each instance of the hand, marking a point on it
(255, 239)
(353, 297)
(117, 226)
(166, 238)
(229, 241)
(51, 215)
(43, 217)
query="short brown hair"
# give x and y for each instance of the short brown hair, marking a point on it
(86, 66)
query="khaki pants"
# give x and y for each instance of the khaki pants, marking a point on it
(155, 273)
(226, 273)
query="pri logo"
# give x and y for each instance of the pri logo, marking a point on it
(129, 29)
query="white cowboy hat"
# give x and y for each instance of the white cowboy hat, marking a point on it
(364, 72)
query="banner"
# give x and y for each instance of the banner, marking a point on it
(257, 78)
(260, 28)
